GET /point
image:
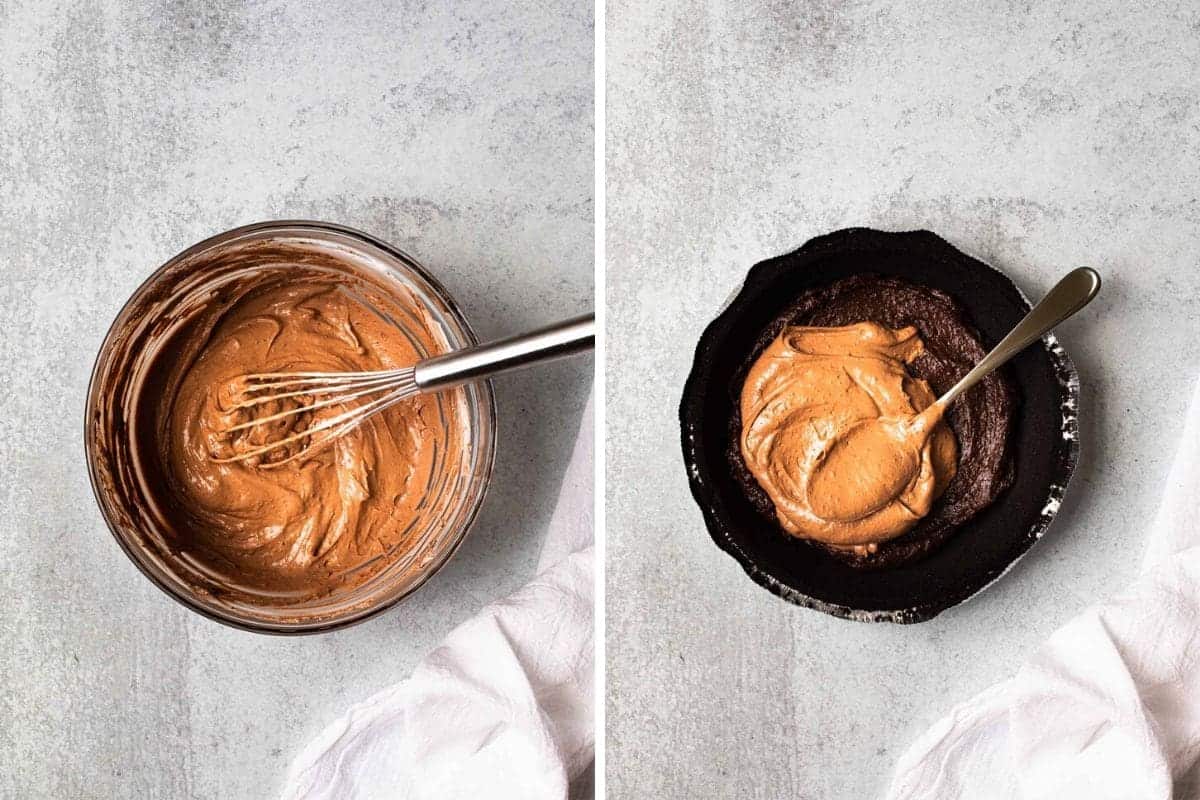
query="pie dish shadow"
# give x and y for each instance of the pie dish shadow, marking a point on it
(1044, 440)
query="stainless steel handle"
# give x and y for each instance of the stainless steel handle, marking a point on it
(1069, 295)
(564, 339)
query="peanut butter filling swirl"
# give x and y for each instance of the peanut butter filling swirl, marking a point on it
(330, 520)
(805, 395)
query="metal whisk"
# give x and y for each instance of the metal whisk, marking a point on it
(385, 388)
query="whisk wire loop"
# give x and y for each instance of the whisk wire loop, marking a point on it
(334, 389)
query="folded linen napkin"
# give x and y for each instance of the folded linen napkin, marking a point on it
(502, 708)
(1109, 706)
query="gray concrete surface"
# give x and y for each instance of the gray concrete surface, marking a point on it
(1035, 135)
(460, 131)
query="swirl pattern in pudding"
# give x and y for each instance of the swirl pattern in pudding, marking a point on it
(317, 524)
(981, 420)
(804, 401)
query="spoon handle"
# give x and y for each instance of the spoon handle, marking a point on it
(1069, 295)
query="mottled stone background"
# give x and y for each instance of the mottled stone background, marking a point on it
(1036, 135)
(461, 132)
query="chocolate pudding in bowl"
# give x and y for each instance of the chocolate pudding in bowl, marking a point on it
(275, 543)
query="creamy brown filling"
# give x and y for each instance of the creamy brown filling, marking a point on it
(343, 505)
(810, 409)
(981, 419)
(319, 524)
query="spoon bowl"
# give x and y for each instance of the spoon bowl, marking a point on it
(875, 462)
(878, 460)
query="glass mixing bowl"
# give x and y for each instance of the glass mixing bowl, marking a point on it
(453, 498)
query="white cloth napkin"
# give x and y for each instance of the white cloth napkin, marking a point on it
(502, 708)
(1109, 706)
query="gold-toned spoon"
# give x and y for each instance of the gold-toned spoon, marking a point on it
(900, 439)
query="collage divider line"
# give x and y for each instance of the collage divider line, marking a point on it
(598, 123)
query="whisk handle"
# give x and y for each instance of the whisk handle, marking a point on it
(563, 339)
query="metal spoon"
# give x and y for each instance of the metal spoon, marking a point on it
(902, 438)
